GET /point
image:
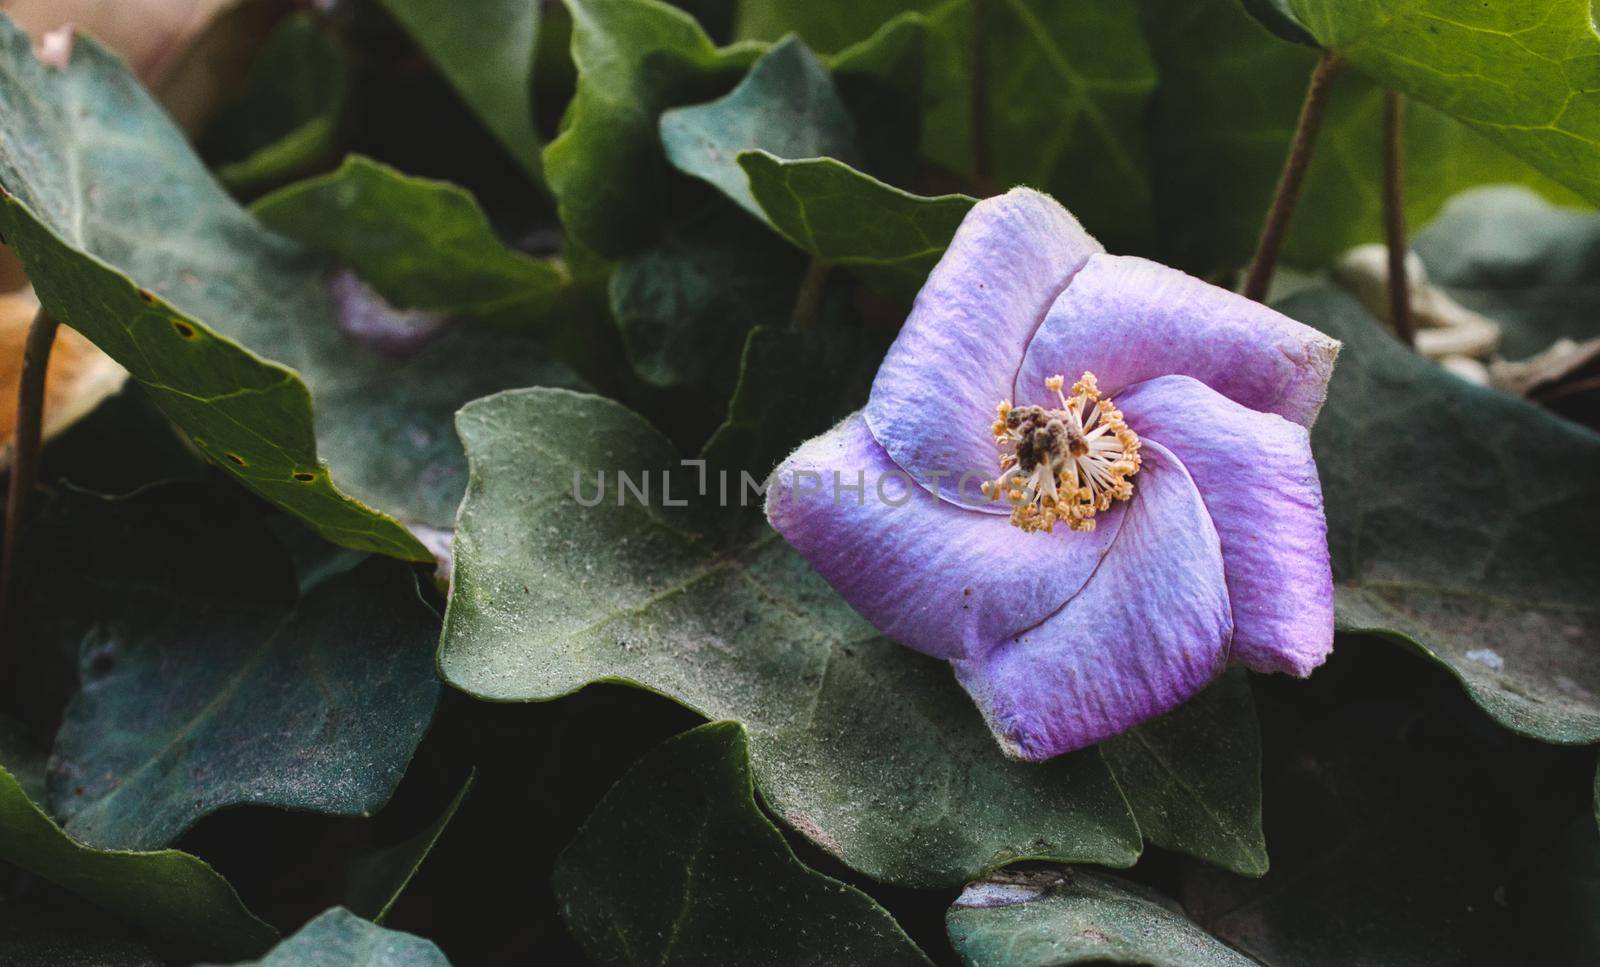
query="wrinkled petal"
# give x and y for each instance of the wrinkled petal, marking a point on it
(1127, 320)
(1259, 483)
(939, 578)
(1148, 630)
(933, 400)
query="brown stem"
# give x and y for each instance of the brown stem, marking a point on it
(1394, 215)
(981, 162)
(1293, 177)
(25, 447)
(809, 299)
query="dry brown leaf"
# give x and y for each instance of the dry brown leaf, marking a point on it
(80, 376)
(192, 54)
(149, 34)
(1444, 327)
(12, 277)
(1564, 378)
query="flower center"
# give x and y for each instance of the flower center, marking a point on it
(1063, 465)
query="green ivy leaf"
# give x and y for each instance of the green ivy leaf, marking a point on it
(141, 207)
(422, 244)
(869, 750)
(286, 122)
(1068, 85)
(890, 237)
(677, 865)
(1521, 73)
(176, 679)
(1069, 88)
(684, 304)
(1052, 918)
(1440, 540)
(1527, 264)
(174, 897)
(487, 55)
(340, 937)
(634, 58)
(1224, 114)
(793, 385)
(787, 106)
(1193, 776)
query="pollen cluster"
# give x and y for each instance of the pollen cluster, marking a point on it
(1063, 465)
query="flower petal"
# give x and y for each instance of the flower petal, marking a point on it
(942, 579)
(1127, 320)
(1148, 630)
(1259, 483)
(957, 355)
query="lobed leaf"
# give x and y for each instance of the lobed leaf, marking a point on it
(101, 190)
(178, 694)
(1441, 539)
(787, 106)
(1068, 89)
(207, 680)
(634, 58)
(869, 750)
(422, 244)
(839, 215)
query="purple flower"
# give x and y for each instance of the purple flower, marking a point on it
(1084, 479)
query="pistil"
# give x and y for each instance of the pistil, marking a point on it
(1063, 465)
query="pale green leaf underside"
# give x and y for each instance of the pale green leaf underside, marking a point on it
(1050, 918)
(339, 937)
(1527, 74)
(786, 106)
(1225, 113)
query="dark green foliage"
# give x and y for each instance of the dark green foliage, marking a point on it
(569, 238)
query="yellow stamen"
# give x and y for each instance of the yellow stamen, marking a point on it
(1063, 465)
